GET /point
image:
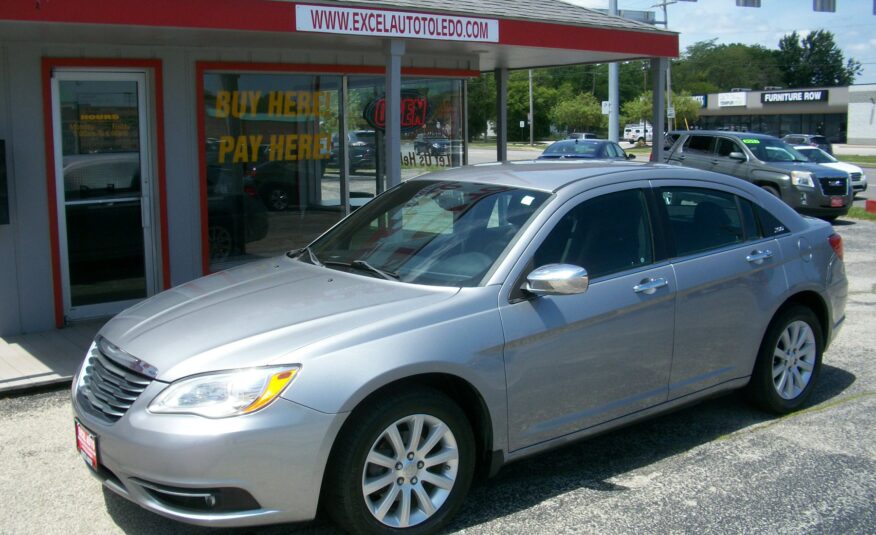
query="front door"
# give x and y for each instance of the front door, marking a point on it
(104, 185)
(576, 361)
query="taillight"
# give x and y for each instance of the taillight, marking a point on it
(651, 156)
(836, 243)
(249, 190)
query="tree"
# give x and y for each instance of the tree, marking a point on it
(481, 105)
(687, 110)
(815, 60)
(642, 108)
(581, 112)
(707, 67)
(639, 109)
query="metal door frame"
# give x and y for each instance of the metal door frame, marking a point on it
(145, 129)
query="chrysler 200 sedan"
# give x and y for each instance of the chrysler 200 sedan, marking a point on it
(457, 322)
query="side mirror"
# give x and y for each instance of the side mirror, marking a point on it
(737, 156)
(557, 279)
(631, 156)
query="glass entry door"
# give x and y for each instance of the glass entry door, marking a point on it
(102, 167)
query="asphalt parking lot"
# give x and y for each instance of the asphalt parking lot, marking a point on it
(716, 467)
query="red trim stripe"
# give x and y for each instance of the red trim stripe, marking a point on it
(155, 65)
(274, 16)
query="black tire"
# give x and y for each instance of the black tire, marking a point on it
(762, 389)
(772, 191)
(344, 497)
(278, 199)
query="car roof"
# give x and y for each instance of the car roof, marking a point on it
(751, 135)
(553, 175)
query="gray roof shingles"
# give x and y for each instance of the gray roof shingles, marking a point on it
(549, 11)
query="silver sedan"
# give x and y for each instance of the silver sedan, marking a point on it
(459, 321)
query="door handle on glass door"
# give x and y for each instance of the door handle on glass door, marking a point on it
(649, 286)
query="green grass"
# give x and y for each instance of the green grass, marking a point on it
(856, 212)
(857, 159)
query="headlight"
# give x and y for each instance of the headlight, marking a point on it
(436, 145)
(224, 394)
(802, 178)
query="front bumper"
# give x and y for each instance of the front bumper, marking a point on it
(276, 456)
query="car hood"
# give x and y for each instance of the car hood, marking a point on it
(814, 168)
(257, 315)
(842, 166)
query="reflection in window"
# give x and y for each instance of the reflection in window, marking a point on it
(604, 235)
(270, 180)
(431, 232)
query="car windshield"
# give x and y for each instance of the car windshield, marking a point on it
(429, 232)
(773, 150)
(576, 149)
(817, 155)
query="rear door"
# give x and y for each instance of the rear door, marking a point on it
(696, 151)
(729, 278)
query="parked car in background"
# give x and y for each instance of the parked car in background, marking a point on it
(236, 214)
(638, 133)
(597, 149)
(436, 145)
(816, 155)
(362, 148)
(767, 162)
(582, 135)
(458, 321)
(809, 139)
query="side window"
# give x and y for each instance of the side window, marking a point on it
(699, 144)
(701, 219)
(604, 235)
(770, 225)
(749, 220)
(726, 146)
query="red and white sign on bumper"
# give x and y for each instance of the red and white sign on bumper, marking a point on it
(354, 21)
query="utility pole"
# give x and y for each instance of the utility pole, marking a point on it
(665, 23)
(531, 115)
(613, 88)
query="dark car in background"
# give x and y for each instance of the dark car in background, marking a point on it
(813, 140)
(767, 162)
(594, 149)
(236, 216)
(362, 147)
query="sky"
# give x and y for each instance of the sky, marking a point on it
(852, 24)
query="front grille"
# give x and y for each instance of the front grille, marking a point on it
(107, 388)
(834, 185)
(855, 176)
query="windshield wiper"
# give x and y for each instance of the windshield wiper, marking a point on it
(362, 264)
(310, 255)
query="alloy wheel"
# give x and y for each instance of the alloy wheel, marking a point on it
(794, 359)
(410, 471)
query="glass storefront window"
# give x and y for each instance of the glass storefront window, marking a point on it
(273, 173)
(272, 178)
(431, 129)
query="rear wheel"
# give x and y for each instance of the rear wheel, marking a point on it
(789, 361)
(404, 465)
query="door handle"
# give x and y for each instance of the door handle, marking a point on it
(649, 286)
(757, 257)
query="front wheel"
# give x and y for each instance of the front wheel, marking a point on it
(404, 465)
(788, 362)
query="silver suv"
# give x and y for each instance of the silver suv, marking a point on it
(767, 162)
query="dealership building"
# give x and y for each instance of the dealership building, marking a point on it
(145, 144)
(842, 114)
